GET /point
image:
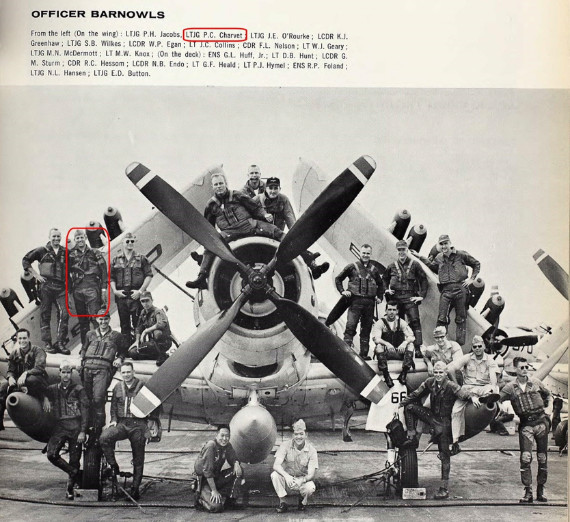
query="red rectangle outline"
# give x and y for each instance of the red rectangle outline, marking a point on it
(108, 271)
(227, 28)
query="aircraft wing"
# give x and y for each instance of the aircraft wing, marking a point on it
(163, 243)
(357, 226)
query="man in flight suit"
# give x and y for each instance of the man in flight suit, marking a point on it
(394, 340)
(153, 337)
(364, 289)
(69, 404)
(51, 276)
(124, 425)
(254, 184)
(279, 207)
(236, 215)
(442, 393)
(529, 398)
(406, 285)
(102, 353)
(131, 274)
(454, 280)
(88, 272)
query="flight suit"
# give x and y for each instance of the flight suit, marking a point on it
(161, 338)
(52, 291)
(365, 285)
(529, 405)
(127, 427)
(452, 271)
(97, 357)
(70, 407)
(88, 272)
(408, 280)
(236, 215)
(442, 397)
(128, 275)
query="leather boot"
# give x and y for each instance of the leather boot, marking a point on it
(540, 493)
(383, 367)
(61, 348)
(197, 257)
(201, 282)
(403, 374)
(318, 270)
(527, 497)
(406, 366)
(137, 478)
(2, 410)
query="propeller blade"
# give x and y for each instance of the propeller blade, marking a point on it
(326, 209)
(180, 364)
(180, 211)
(520, 340)
(330, 350)
(553, 271)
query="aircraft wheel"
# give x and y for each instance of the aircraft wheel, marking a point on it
(92, 468)
(408, 468)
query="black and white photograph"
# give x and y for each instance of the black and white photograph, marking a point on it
(278, 301)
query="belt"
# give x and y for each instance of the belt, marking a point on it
(532, 417)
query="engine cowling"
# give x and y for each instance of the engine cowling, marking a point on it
(268, 340)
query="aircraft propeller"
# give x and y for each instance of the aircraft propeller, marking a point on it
(553, 271)
(315, 336)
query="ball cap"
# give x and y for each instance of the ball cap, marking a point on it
(439, 330)
(273, 182)
(145, 295)
(402, 244)
(443, 238)
(300, 425)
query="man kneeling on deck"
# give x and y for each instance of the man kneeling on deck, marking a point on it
(218, 489)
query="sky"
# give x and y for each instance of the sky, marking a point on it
(489, 167)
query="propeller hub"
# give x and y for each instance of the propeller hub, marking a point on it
(257, 280)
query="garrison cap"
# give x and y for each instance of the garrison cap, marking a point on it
(439, 330)
(477, 339)
(253, 168)
(103, 312)
(272, 182)
(145, 295)
(129, 235)
(401, 244)
(300, 425)
(443, 238)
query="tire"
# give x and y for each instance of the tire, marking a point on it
(92, 468)
(408, 468)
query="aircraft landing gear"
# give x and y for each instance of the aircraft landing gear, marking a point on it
(407, 468)
(92, 468)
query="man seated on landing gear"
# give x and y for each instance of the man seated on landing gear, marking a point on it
(442, 392)
(69, 404)
(394, 340)
(124, 425)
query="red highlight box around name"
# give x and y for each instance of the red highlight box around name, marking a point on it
(108, 270)
(212, 34)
